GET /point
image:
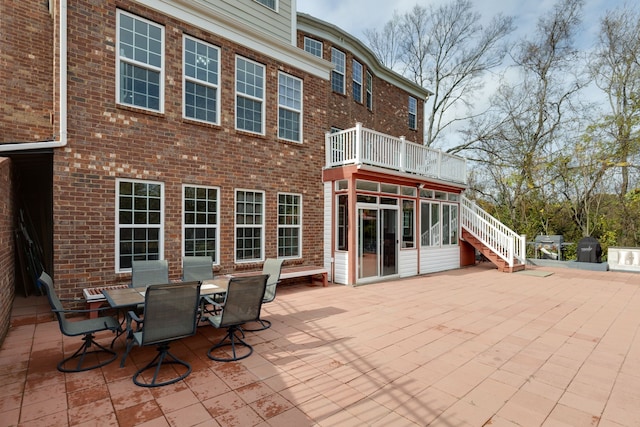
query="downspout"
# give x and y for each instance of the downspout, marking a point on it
(62, 136)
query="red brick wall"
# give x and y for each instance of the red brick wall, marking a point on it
(26, 68)
(7, 272)
(390, 110)
(107, 141)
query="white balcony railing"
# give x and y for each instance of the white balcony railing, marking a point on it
(360, 145)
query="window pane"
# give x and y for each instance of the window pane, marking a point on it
(140, 50)
(357, 81)
(200, 219)
(337, 75)
(249, 224)
(139, 206)
(312, 46)
(201, 66)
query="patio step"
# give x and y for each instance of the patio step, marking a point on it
(500, 263)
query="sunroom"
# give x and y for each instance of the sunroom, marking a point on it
(392, 208)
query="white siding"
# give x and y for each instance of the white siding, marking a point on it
(341, 268)
(328, 229)
(408, 262)
(439, 259)
(216, 16)
(277, 24)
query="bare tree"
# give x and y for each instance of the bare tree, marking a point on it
(386, 43)
(616, 70)
(520, 141)
(447, 50)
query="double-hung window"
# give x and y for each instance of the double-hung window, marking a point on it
(249, 225)
(289, 107)
(139, 222)
(337, 74)
(357, 80)
(140, 80)
(201, 67)
(201, 213)
(250, 81)
(312, 46)
(369, 91)
(413, 113)
(289, 225)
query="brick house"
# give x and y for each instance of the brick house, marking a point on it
(146, 129)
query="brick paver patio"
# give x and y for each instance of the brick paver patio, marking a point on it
(470, 347)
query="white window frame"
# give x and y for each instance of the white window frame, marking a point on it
(119, 226)
(297, 226)
(237, 226)
(215, 226)
(413, 113)
(141, 65)
(251, 97)
(451, 226)
(339, 60)
(264, 3)
(357, 75)
(313, 46)
(290, 96)
(198, 81)
(369, 91)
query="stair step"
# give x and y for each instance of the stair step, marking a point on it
(494, 258)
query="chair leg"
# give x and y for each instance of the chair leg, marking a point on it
(264, 324)
(83, 351)
(164, 357)
(233, 339)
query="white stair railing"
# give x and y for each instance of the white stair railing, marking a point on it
(503, 241)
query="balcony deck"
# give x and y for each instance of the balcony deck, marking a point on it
(364, 146)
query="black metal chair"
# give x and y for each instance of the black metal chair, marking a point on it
(242, 304)
(170, 313)
(272, 267)
(87, 327)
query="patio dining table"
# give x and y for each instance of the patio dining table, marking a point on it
(128, 298)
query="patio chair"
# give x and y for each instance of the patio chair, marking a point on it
(196, 268)
(199, 268)
(170, 312)
(241, 305)
(145, 273)
(272, 267)
(87, 327)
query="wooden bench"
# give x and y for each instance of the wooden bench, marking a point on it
(306, 271)
(315, 273)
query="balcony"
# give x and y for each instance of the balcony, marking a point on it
(361, 146)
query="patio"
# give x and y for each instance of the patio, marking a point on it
(469, 347)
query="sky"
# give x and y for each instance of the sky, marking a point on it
(354, 16)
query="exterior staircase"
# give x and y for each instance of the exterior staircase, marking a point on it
(499, 244)
(490, 254)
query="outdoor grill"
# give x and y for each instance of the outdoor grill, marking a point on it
(589, 250)
(549, 247)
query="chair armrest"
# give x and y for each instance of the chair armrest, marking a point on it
(139, 320)
(134, 316)
(81, 310)
(212, 302)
